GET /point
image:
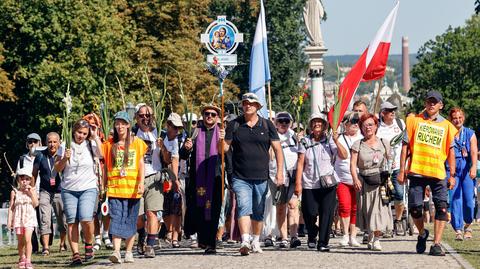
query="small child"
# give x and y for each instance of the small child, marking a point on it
(22, 216)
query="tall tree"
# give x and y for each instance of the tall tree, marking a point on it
(169, 39)
(285, 38)
(450, 64)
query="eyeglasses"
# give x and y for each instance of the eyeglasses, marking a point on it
(389, 110)
(209, 114)
(32, 141)
(144, 116)
(194, 122)
(283, 121)
(26, 178)
(366, 125)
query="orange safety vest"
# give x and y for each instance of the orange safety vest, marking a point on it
(125, 186)
(429, 143)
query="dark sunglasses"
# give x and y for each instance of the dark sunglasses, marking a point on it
(194, 122)
(283, 121)
(144, 116)
(389, 110)
(354, 121)
(210, 114)
(32, 141)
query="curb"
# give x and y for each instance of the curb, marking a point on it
(451, 251)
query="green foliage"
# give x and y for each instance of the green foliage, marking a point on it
(451, 64)
(285, 42)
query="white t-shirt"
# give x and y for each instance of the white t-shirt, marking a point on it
(324, 152)
(387, 132)
(172, 146)
(152, 156)
(79, 173)
(342, 167)
(290, 149)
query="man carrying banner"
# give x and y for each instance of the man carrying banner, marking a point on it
(428, 141)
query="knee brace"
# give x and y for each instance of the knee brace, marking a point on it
(441, 210)
(416, 212)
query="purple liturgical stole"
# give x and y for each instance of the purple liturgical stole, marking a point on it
(205, 169)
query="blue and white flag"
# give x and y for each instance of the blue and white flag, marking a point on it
(259, 66)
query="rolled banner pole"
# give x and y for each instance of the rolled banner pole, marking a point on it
(222, 112)
(269, 102)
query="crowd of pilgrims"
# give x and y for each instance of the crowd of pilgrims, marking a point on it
(276, 181)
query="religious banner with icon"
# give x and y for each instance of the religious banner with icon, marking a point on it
(222, 38)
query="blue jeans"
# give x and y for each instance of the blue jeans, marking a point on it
(399, 190)
(79, 205)
(250, 195)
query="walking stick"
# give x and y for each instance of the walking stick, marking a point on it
(12, 174)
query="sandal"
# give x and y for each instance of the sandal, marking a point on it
(76, 259)
(175, 244)
(467, 234)
(458, 235)
(46, 252)
(28, 265)
(21, 262)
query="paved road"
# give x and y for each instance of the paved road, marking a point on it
(397, 252)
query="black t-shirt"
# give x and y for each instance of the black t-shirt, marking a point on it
(250, 147)
(44, 163)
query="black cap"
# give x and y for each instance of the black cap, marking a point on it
(434, 94)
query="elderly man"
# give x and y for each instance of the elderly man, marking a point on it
(251, 136)
(50, 193)
(429, 142)
(152, 200)
(390, 127)
(204, 188)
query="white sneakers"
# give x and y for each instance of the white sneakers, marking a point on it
(256, 247)
(244, 248)
(376, 244)
(353, 242)
(345, 240)
(349, 241)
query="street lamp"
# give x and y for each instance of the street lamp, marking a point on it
(130, 110)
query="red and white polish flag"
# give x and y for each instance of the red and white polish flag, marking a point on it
(370, 66)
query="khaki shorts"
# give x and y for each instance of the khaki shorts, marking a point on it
(152, 199)
(47, 203)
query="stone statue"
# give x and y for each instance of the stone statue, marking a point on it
(313, 13)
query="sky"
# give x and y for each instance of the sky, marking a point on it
(351, 24)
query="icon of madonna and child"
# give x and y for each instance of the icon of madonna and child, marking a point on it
(221, 38)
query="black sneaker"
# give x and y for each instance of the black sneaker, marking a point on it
(436, 250)
(312, 243)
(365, 238)
(219, 244)
(323, 248)
(422, 242)
(268, 242)
(295, 242)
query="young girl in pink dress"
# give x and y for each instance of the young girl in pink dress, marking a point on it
(22, 216)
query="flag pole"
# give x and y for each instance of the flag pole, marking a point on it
(377, 98)
(222, 153)
(269, 102)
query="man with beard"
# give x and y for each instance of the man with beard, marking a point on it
(152, 200)
(204, 189)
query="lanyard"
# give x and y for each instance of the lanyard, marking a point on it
(53, 173)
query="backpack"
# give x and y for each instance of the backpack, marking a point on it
(264, 123)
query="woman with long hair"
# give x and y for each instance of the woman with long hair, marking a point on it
(79, 185)
(125, 184)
